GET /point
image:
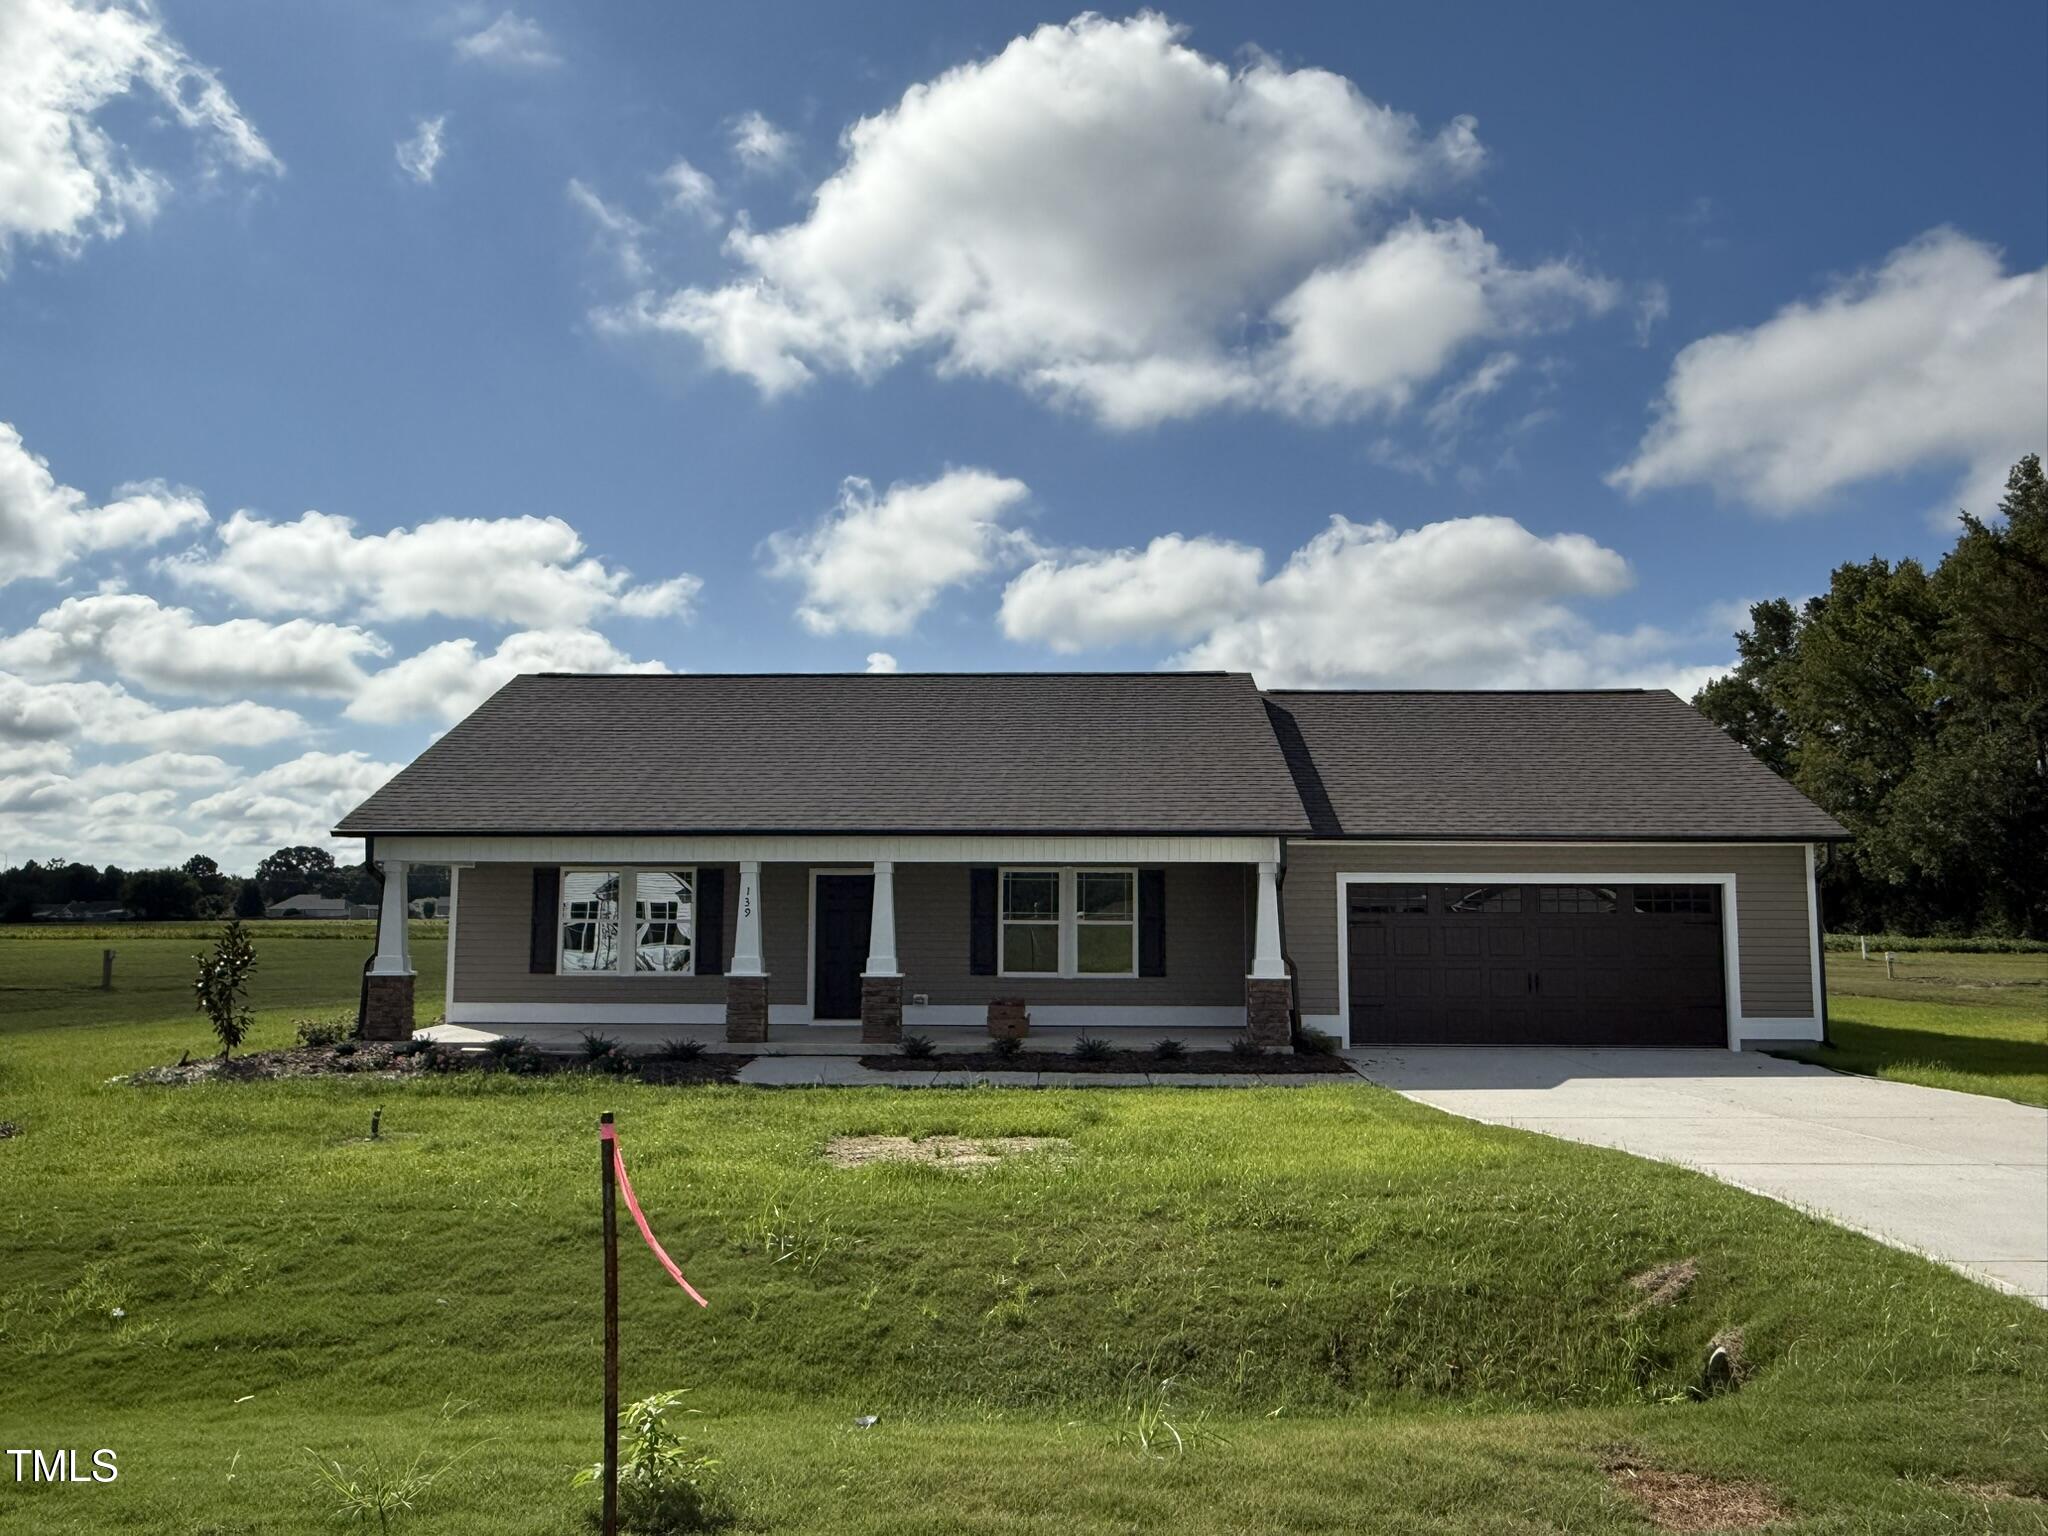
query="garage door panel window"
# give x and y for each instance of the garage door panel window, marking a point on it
(1389, 900)
(1483, 898)
(1575, 900)
(1675, 900)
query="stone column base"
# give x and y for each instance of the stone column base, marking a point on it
(746, 1007)
(881, 1009)
(1266, 1005)
(1008, 1018)
(387, 1007)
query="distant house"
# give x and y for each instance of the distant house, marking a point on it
(82, 912)
(431, 906)
(311, 906)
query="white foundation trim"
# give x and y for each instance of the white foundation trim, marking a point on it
(921, 848)
(1731, 948)
(1776, 1029)
(586, 1013)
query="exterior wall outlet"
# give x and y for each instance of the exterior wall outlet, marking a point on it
(920, 999)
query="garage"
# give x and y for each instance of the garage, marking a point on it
(1536, 964)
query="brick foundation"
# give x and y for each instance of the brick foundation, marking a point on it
(1266, 1003)
(387, 1007)
(1008, 1018)
(746, 1007)
(881, 1009)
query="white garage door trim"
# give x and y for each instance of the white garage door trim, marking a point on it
(1731, 949)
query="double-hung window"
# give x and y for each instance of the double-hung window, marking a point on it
(595, 939)
(1031, 922)
(1069, 922)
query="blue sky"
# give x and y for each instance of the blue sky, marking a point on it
(1589, 323)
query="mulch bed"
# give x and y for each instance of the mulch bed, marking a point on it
(1205, 1063)
(380, 1060)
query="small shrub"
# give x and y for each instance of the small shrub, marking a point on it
(678, 1049)
(918, 1047)
(325, 1031)
(222, 986)
(1168, 1050)
(1093, 1048)
(501, 1048)
(1005, 1046)
(374, 1491)
(1314, 1042)
(596, 1045)
(344, 1047)
(665, 1486)
(1245, 1048)
(614, 1063)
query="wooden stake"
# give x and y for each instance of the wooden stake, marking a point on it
(1887, 965)
(106, 970)
(1864, 940)
(611, 1330)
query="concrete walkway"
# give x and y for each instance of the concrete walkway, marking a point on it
(1960, 1177)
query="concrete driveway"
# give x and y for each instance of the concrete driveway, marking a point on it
(1956, 1176)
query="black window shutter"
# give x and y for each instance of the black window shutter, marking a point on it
(1151, 922)
(981, 922)
(547, 907)
(710, 898)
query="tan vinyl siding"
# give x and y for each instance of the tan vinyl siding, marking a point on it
(1208, 944)
(1775, 943)
(493, 922)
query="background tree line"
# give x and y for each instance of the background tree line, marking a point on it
(1913, 707)
(199, 887)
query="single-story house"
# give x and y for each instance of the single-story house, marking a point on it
(1178, 850)
(442, 907)
(80, 912)
(311, 905)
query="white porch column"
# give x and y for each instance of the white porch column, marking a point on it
(394, 950)
(882, 928)
(1266, 962)
(746, 944)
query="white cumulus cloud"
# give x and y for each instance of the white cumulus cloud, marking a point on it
(168, 650)
(107, 714)
(875, 563)
(1112, 220)
(420, 156)
(689, 190)
(511, 42)
(880, 662)
(45, 526)
(1468, 602)
(515, 570)
(1174, 587)
(447, 681)
(64, 178)
(759, 145)
(1938, 357)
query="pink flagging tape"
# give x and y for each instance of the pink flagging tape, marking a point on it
(610, 1134)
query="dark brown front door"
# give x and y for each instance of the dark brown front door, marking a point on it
(1535, 965)
(845, 909)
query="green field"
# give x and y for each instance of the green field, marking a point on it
(1973, 1022)
(1358, 1314)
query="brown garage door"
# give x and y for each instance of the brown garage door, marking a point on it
(1536, 965)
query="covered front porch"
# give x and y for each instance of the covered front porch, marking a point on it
(817, 942)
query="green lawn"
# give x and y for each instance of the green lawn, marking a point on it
(1977, 1023)
(1360, 1314)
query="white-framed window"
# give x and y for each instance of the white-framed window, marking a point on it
(592, 930)
(1031, 923)
(1068, 922)
(1106, 922)
(590, 922)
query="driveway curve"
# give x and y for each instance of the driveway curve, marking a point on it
(1960, 1177)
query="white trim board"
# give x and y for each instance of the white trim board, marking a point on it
(921, 848)
(926, 1016)
(1739, 1028)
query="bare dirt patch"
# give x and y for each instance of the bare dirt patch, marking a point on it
(1689, 1501)
(1662, 1285)
(938, 1151)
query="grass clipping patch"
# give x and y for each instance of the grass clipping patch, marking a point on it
(938, 1151)
(1688, 1501)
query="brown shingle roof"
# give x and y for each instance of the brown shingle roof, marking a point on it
(1029, 752)
(1596, 766)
